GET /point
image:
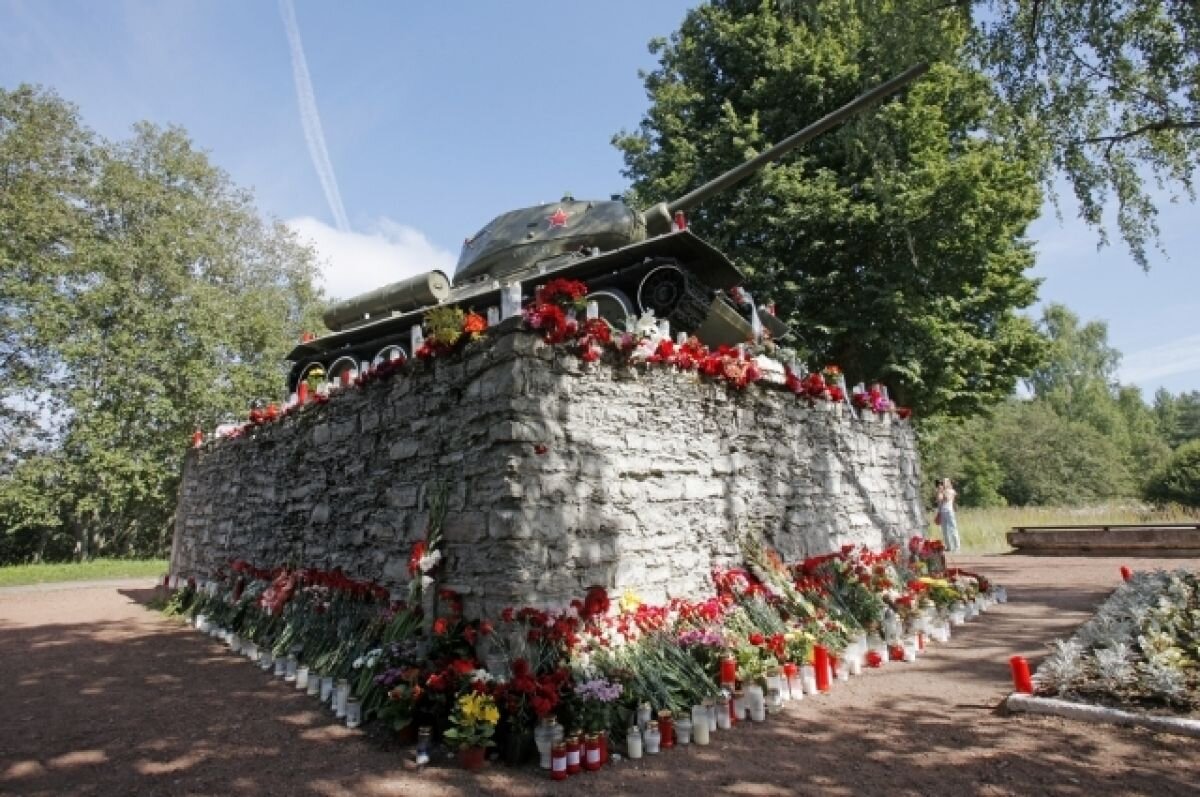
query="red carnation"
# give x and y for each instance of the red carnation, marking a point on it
(595, 603)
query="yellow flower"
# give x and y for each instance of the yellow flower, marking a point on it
(474, 708)
(630, 601)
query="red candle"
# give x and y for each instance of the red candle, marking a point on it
(573, 767)
(346, 378)
(1126, 573)
(728, 669)
(920, 640)
(197, 438)
(603, 747)
(591, 747)
(666, 728)
(558, 762)
(302, 393)
(1022, 681)
(821, 665)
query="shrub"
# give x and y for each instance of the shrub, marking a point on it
(1179, 480)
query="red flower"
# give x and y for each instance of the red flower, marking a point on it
(507, 614)
(440, 626)
(756, 638)
(414, 559)
(485, 627)
(595, 603)
(474, 324)
(520, 668)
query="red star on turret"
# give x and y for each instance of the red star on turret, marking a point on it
(557, 219)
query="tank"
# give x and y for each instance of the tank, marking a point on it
(632, 262)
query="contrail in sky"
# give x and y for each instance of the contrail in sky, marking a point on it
(309, 117)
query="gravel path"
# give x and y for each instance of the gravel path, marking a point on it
(103, 697)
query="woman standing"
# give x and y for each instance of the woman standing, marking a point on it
(945, 514)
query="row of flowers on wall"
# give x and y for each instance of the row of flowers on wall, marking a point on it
(553, 314)
(607, 672)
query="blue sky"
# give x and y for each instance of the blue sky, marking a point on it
(435, 117)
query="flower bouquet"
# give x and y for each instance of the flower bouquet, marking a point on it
(472, 725)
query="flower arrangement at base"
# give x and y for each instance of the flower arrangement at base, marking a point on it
(595, 700)
(598, 661)
(472, 725)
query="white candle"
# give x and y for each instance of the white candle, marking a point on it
(700, 725)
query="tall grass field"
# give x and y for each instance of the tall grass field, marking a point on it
(984, 530)
(95, 570)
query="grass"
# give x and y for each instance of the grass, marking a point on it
(95, 570)
(984, 530)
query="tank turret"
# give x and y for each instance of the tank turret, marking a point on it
(632, 262)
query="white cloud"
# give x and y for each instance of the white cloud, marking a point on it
(1179, 356)
(354, 262)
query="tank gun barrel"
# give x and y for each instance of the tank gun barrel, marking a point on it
(830, 120)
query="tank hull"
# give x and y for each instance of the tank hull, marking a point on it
(621, 272)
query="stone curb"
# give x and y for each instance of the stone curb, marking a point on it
(1114, 716)
(54, 586)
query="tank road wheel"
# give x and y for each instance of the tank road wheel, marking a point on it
(614, 306)
(672, 294)
(341, 365)
(389, 353)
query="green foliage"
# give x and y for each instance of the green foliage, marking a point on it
(1051, 460)
(1026, 453)
(893, 244)
(1178, 417)
(140, 296)
(1111, 90)
(1179, 480)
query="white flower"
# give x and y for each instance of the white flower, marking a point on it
(358, 663)
(426, 582)
(430, 561)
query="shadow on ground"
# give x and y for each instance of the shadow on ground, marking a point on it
(105, 697)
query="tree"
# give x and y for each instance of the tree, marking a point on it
(1178, 416)
(1078, 379)
(1112, 90)
(893, 244)
(1179, 480)
(1024, 452)
(46, 160)
(159, 303)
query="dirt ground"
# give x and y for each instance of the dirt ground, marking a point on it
(100, 696)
